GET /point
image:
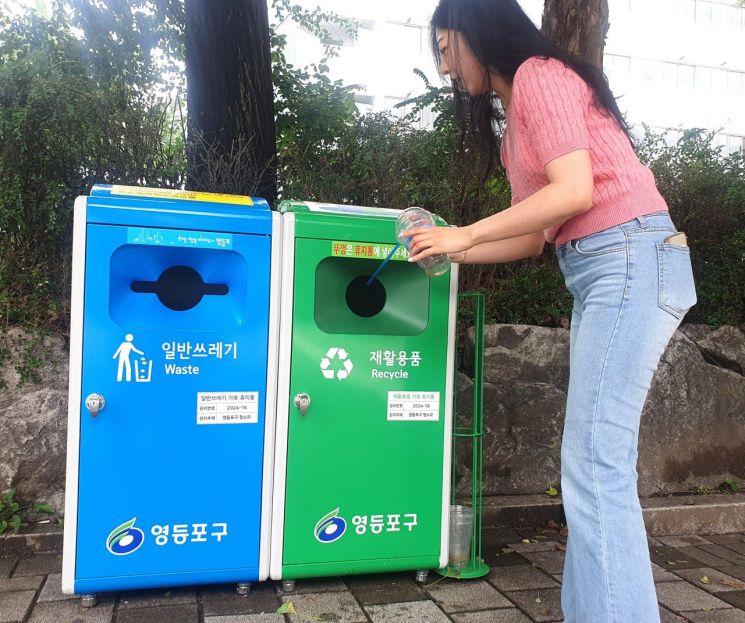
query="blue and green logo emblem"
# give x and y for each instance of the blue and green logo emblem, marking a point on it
(330, 528)
(125, 539)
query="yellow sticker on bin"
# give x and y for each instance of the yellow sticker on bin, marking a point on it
(367, 250)
(187, 195)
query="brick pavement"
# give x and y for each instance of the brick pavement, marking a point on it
(700, 579)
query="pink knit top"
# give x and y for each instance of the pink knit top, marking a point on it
(551, 114)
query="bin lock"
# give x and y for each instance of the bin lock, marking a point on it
(302, 402)
(95, 404)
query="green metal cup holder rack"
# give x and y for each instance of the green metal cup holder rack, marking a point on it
(475, 567)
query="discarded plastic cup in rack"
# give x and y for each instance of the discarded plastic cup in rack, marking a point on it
(413, 218)
(461, 532)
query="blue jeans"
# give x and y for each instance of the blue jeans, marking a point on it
(631, 291)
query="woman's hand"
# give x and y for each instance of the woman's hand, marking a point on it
(429, 241)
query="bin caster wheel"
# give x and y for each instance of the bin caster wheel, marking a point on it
(243, 588)
(421, 576)
(88, 601)
(288, 586)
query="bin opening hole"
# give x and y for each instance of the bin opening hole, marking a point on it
(180, 288)
(365, 300)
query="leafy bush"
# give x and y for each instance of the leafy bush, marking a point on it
(11, 512)
(63, 129)
(705, 190)
(383, 160)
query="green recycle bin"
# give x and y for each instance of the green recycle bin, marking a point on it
(362, 480)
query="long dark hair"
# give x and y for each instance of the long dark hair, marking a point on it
(502, 37)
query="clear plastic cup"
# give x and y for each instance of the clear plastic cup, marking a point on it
(461, 532)
(412, 218)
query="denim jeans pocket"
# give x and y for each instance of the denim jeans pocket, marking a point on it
(609, 241)
(677, 290)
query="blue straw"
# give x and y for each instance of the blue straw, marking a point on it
(382, 265)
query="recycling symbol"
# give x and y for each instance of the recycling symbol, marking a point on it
(342, 355)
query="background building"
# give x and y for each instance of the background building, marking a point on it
(673, 63)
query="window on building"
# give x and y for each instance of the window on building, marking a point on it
(609, 69)
(428, 118)
(365, 103)
(608, 62)
(407, 38)
(620, 67)
(619, 75)
(719, 14)
(656, 72)
(703, 12)
(672, 137)
(703, 78)
(639, 70)
(618, 7)
(685, 77)
(390, 104)
(670, 75)
(735, 84)
(735, 144)
(719, 80)
(339, 36)
(686, 11)
(647, 71)
(417, 35)
(734, 18)
(719, 140)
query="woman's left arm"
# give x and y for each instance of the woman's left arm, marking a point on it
(569, 192)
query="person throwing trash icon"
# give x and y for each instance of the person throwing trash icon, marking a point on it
(123, 352)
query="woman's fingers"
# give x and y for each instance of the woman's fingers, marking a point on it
(420, 252)
(419, 243)
(417, 230)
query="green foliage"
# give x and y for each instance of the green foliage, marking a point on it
(75, 112)
(730, 486)
(311, 110)
(10, 516)
(530, 292)
(29, 352)
(383, 160)
(62, 129)
(139, 43)
(11, 511)
(705, 190)
(438, 99)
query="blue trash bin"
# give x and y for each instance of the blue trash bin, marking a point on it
(172, 389)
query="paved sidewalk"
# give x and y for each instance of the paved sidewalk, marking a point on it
(699, 579)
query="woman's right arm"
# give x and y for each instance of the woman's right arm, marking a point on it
(500, 251)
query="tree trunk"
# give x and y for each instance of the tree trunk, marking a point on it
(230, 101)
(578, 26)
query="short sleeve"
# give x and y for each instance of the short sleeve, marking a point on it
(550, 100)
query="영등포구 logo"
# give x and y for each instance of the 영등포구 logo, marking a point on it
(330, 527)
(125, 539)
